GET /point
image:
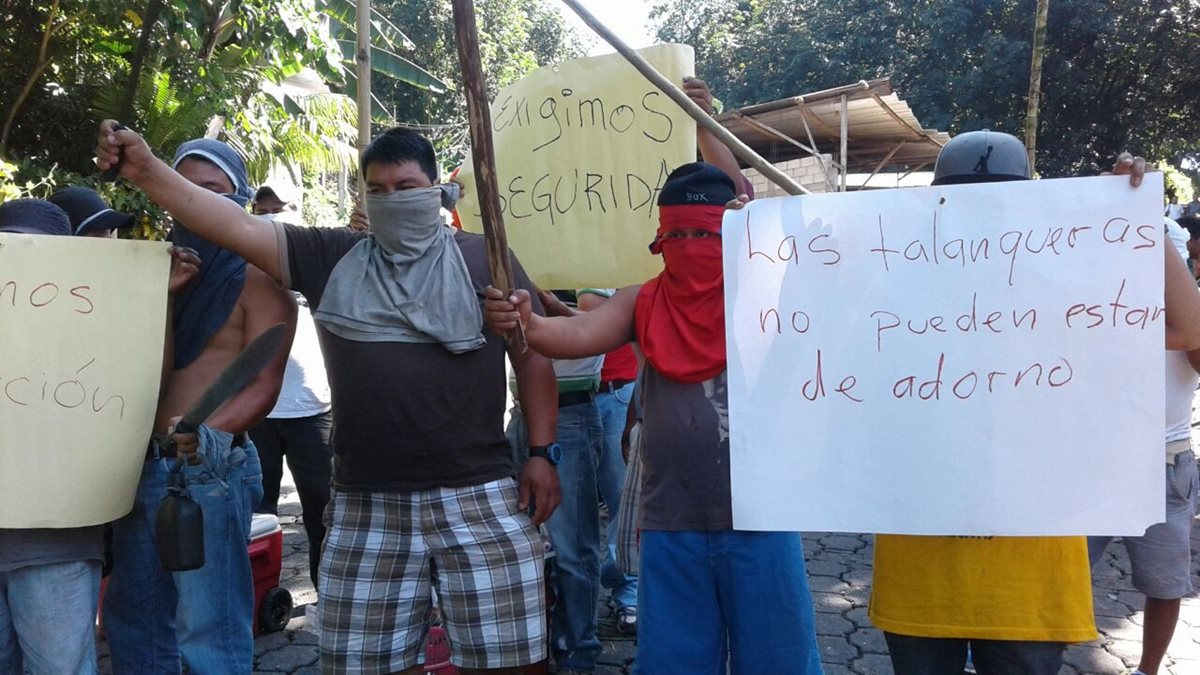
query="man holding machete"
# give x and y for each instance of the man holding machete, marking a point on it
(421, 465)
(201, 620)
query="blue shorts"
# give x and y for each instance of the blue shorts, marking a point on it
(708, 599)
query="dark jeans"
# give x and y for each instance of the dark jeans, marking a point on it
(948, 656)
(305, 442)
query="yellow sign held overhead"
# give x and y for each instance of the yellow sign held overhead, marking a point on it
(582, 150)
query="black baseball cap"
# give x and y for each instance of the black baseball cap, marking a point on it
(88, 211)
(697, 184)
(33, 216)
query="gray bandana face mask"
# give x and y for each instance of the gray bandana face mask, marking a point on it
(405, 221)
(408, 282)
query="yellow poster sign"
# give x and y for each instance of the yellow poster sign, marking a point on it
(81, 339)
(582, 151)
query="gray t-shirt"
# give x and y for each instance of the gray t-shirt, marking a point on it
(23, 548)
(685, 454)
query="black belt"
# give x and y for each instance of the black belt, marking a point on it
(154, 451)
(613, 385)
(566, 398)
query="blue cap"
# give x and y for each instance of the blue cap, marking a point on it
(33, 216)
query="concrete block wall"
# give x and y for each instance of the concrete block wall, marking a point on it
(806, 171)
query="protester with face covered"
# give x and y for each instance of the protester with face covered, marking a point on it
(421, 468)
(50, 578)
(200, 621)
(300, 426)
(709, 595)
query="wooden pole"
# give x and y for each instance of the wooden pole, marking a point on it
(483, 153)
(702, 118)
(362, 60)
(1035, 81)
(843, 137)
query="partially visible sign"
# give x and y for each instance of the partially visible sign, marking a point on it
(582, 151)
(82, 325)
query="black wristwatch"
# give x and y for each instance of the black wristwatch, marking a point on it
(551, 453)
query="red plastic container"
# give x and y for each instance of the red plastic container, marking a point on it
(272, 604)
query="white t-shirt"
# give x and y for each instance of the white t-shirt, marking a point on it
(305, 390)
(1181, 377)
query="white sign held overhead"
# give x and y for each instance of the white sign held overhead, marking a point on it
(966, 360)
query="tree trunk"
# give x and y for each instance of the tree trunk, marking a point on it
(153, 10)
(1035, 81)
(42, 61)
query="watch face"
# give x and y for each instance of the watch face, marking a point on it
(551, 453)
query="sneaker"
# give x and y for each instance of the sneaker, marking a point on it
(627, 620)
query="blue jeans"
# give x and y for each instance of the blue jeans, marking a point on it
(305, 442)
(158, 621)
(575, 533)
(610, 476)
(48, 615)
(947, 656)
(712, 599)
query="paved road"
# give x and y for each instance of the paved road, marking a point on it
(839, 566)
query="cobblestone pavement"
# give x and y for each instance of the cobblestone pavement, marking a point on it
(839, 566)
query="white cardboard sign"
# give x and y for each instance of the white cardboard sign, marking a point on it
(970, 359)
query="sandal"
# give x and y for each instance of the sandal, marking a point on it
(627, 620)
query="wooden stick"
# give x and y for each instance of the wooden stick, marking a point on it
(702, 118)
(362, 59)
(483, 153)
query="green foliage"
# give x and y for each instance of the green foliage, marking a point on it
(1178, 185)
(215, 67)
(28, 179)
(516, 37)
(1117, 75)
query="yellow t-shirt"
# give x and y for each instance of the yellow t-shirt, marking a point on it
(988, 588)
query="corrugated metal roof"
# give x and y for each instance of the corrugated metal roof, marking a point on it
(882, 130)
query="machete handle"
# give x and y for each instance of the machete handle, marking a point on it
(110, 174)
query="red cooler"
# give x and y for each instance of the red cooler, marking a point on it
(272, 604)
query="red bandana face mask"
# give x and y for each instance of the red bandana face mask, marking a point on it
(680, 314)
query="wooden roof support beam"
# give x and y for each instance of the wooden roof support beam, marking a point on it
(920, 133)
(805, 113)
(770, 131)
(913, 170)
(882, 162)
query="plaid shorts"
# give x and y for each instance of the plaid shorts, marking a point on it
(376, 579)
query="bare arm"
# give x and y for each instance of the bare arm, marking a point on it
(265, 305)
(712, 150)
(587, 334)
(206, 213)
(538, 393)
(1182, 302)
